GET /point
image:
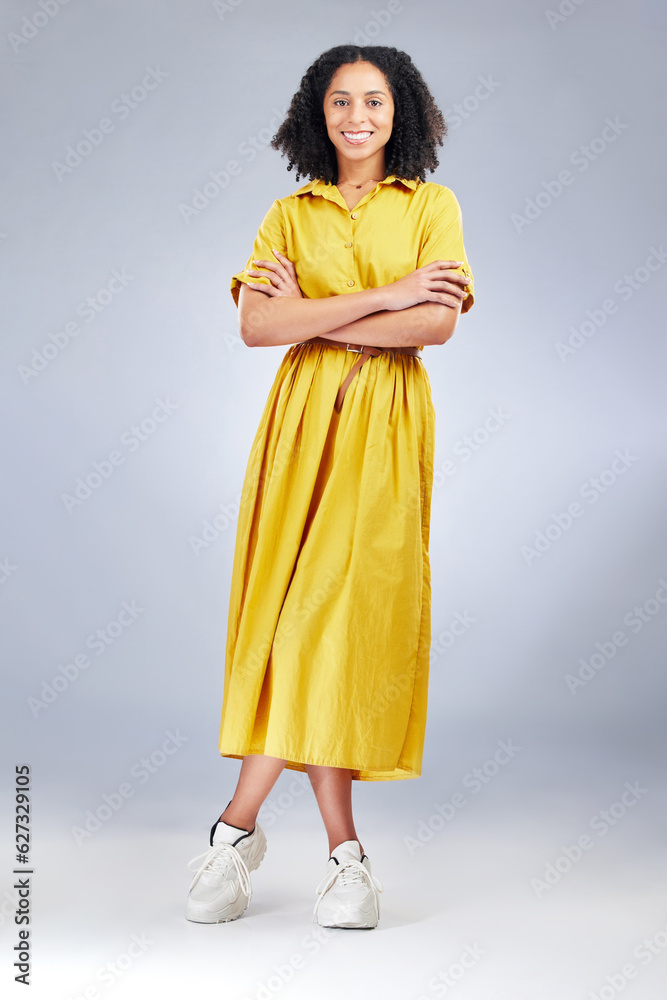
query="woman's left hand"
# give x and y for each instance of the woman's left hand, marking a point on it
(283, 280)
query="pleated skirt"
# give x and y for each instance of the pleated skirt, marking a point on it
(329, 626)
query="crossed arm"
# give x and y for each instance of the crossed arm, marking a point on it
(421, 308)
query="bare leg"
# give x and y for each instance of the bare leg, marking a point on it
(257, 777)
(333, 790)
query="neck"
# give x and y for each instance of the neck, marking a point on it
(352, 172)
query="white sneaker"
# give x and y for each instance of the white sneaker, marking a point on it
(221, 888)
(348, 894)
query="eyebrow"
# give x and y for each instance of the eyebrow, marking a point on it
(347, 92)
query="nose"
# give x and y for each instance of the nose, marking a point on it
(357, 115)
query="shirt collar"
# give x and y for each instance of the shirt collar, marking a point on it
(321, 187)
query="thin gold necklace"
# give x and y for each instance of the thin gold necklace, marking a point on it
(371, 180)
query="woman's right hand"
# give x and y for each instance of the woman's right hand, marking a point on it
(435, 282)
(282, 277)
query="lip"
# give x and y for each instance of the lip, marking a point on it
(358, 142)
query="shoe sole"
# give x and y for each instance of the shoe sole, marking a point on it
(197, 916)
(368, 922)
(203, 916)
(349, 925)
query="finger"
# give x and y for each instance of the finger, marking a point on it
(273, 277)
(443, 263)
(276, 268)
(278, 275)
(286, 262)
(455, 273)
(446, 285)
(267, 289)
(448, 265)
(453, 276)
(447, 300)
(460, 292)
(274, 280)
(270, 265)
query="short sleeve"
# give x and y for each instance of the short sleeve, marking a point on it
(271, 234)
(444, 239)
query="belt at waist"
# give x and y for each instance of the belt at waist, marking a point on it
(366, 352)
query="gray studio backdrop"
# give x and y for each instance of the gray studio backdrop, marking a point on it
(136, 171)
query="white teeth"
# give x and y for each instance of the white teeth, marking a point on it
(357, 135)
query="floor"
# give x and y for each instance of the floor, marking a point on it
(492, 905)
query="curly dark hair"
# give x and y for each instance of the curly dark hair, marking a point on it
(418, 126)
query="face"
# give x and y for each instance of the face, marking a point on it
(359, 113)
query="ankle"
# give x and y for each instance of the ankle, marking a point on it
(334, 844)
(240, 820)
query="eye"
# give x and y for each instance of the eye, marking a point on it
(375, 101)
(340, 100)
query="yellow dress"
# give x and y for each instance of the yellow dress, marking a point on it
(329, 627)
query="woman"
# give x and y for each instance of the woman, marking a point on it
(330, 607)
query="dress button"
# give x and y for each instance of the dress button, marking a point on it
(348, 244)
(355, 215)
(350, 283)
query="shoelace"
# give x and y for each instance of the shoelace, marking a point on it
(218, 860)
(351, 872)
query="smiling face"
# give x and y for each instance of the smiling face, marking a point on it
(359, 113)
